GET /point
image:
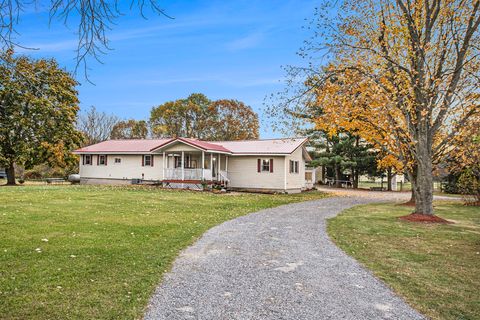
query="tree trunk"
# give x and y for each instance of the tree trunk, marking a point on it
(424, 178)
(355, 180)
(389, 179)
(324, 173)
(11, 175)
(338, 184)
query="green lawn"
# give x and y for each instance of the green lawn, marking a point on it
(79, 252)
(436, 268)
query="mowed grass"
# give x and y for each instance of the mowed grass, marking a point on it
(436, 268)
(82, 252)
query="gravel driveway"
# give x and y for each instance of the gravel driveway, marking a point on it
(275, 264)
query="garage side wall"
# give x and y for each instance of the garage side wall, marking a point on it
(296, 180)
(243, 173)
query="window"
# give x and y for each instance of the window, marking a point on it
(118, 160)
(189, 162)
(102, 160)
(266, 165)
(294, 166)
(87, 159)
(178, 162)
(147, 160)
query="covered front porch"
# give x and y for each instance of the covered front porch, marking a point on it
(198, 166)
(190, 163)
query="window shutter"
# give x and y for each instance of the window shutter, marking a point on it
(271, 165)
(151, 160)
(98, 159)
(259, 164)
(143, 160)
(83, 159)
(106, 157)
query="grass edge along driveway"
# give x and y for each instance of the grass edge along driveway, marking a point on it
(436, 268)
(86, 252)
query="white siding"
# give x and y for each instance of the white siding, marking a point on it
(296, 180)
(179, 147)
(242, 172)
(129, 168)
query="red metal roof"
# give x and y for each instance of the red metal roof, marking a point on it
(131, 145)
(204, 144)
(269, 146)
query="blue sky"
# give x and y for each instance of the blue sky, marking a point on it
(224, 49)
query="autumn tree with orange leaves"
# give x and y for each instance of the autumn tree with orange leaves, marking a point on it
(130, 129)
(406, 71)
(234, 121)
(199, 117)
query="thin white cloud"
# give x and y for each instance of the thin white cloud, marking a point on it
(174, 28)
(246, 42)
(55, 46)
(227, 80)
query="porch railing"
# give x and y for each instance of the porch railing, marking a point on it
(189, 174)
(223, 176)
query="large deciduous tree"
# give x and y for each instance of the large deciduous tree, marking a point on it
(199, 117)
(38, 109)
(181, 118)
(416, 64)
(130, 129)
(233, 121)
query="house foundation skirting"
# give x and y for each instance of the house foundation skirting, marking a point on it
(265, 190)
(105, 181)
(169, 184)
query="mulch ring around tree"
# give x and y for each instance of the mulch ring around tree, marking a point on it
(424, 218)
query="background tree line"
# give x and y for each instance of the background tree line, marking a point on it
(195, 116)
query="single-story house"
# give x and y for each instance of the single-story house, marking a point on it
(271, 165)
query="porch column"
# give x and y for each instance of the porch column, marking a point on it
(218, 165)
(183, 165)
(226, 163)
(211, 163)
(203, 165)
(163, 166)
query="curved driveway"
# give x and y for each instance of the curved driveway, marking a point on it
(275, 264)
